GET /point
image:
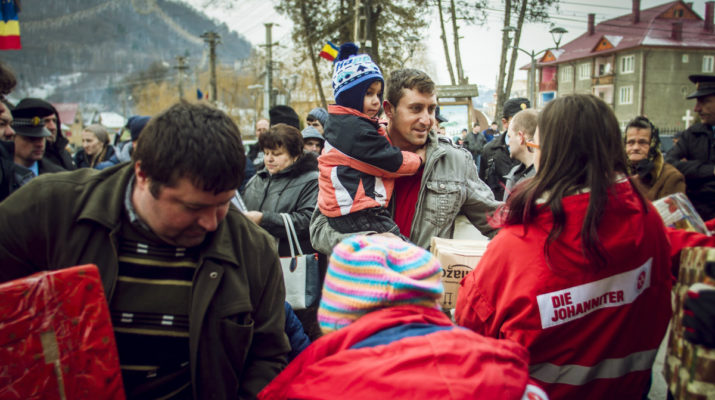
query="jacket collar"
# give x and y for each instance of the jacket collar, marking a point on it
(100, 201)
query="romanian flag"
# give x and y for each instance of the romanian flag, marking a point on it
(329, 52)
(9, 26)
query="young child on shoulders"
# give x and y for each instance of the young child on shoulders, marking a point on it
(359, 164)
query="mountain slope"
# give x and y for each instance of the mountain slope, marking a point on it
(81, 50)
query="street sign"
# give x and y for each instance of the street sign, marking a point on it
(457, 91)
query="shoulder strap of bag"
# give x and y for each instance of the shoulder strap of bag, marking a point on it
(285, 219)
(293, 236)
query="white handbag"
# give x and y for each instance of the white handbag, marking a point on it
(301, 273)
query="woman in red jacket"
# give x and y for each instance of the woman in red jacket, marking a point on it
(579, 273)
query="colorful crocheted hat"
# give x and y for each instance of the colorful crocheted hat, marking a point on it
(367, 273)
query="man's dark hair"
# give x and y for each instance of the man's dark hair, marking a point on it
(475, 124)
(194, 141)
(7, 80)
(282, 135)
(579, 138)
(407, 78)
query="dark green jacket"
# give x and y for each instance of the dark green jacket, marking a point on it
(236, 321)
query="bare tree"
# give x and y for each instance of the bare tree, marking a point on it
(526, 10)
(447, 58)
(460, 11)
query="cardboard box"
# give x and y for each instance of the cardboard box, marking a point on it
(56, 338)
(458, 258)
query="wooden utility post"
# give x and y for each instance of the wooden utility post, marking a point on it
(268, 87)
(358, 17)
(212, 38)
(181, 67)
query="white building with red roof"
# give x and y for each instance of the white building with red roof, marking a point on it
(638, 63)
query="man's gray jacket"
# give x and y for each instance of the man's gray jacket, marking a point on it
(450, 186)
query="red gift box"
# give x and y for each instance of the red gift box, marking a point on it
(56, 338)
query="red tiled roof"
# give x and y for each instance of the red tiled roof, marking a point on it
(623, 34)
(67, 112)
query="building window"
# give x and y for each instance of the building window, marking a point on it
(625, 95)
(584, 71)
(567, 73)
(708, 63)
(628, 64)
(685, 59)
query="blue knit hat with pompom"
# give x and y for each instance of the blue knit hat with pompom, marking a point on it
(353, 74)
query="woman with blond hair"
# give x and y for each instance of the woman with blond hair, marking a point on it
(579, 273)
(95, 147)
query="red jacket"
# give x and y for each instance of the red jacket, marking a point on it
(449, 363)
(591, 334)
(359, 164)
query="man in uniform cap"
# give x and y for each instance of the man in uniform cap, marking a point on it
(29, 108)
(495, 162)
(26, 153)
(694, 153)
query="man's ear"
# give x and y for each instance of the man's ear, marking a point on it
(522, 137)
(140, 175)
(389, 111)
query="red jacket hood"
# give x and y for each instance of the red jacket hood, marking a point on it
(450, 364)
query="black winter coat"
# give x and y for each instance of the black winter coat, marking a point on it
(495, 165)
(82, 160)
(56, 153)
(294, 191)
(694, 157)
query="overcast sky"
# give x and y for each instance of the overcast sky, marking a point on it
(480, 45)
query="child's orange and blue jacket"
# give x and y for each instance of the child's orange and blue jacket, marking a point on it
(359, 164)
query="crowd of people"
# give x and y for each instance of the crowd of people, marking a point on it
(572, 297)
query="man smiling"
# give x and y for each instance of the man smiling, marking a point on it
(195, 289)
(427, 203)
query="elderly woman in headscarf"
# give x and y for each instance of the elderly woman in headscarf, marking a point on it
(95, 147)
(645, 161)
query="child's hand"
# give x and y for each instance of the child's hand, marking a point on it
(422, 152)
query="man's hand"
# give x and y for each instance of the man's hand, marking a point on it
(699, 318)
(255, 216)
(422, 152)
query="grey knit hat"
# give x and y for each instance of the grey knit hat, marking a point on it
(320, 114)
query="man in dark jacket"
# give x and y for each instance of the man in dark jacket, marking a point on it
(694, 154)
(475, 142)
(24, 158)
(56, 143)
(194, 288)
(496, 162)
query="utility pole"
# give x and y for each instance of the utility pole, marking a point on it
(359, 39)
(181, 67)
(268, 98)
(212, 38)
(368, 28)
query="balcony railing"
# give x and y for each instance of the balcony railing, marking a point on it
(602, 80)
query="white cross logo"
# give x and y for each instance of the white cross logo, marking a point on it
(688, 119)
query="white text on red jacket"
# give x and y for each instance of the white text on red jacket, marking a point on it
(566, 305)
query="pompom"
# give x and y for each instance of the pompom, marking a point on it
(346, 50)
